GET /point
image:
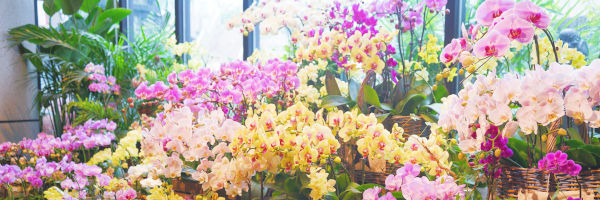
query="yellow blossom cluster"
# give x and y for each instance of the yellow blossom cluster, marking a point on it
(295, 138)
(566, 55)
(360, 50)
(429, 152)
(161, 193)
(309, 73)
(126, 149)
(372, 139)
(319, 184)
(430, 52)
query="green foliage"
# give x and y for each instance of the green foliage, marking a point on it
(65, 50)
(87, 110)
(583, 157)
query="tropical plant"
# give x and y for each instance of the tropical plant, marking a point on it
(65, 50)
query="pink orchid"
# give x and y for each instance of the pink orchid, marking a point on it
(491, 9)
(532, 13)
(451, 51)
(436, 5)
(492, 44)
(371, 193)
(516, 28)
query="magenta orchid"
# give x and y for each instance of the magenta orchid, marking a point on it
(491, 9)
(414, 187)
(516, 28)
(492, 44)
(557, 162)
(527, 10)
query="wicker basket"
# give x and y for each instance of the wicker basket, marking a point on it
(514, 179)
(378, 170)
(410, 126)
(187, 189)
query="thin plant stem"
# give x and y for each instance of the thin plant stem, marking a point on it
(537, 49)
(552, 43)
(262, 185)
(337, 189)
(363, 171)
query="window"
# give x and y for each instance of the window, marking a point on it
(207, 25)
(149, 17)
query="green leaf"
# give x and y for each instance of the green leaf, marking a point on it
(108, 18)
(40, 36)
(371, 96)
(386, 107)
(440, 93)
(331, 196)
(436, 107)
(333, 100)
(410, 104)
(574, 134)
(397, 93)
(574, 143)
(360, 99)
(428, 117)
(291, 186)
(582, 156)
(331, 84)
(519, 148)
(51, 7)
(352, 194)
(88, 5)
(594, 149)
(70, 7)
(342, 180)
(364, 187)
(381, 117)
(397, 195)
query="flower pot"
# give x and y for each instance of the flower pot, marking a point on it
(411, 126)
(376, 171)
(515, 182)
(186, 188)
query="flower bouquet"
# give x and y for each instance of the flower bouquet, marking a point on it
(516, 119)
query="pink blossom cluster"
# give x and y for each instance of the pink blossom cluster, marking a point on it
(557, 162)
(411, 16)
(414, 187)
(93, 133)
(537, 98)
(494, 141)
(100, 82)
(71, 175)
(181, 137)
(351, 19)
(233, 84)
(356, 19)
(502, 21)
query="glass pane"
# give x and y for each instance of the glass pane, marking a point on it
(274, 44)
(150, 16)
(208, 27)
(44, 20)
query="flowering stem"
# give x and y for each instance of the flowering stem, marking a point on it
(399, 15)
(262, 185)
(552, 43)
(10, 191)
(579, 184)
(537, 49)
(363, 171)
(337, 191)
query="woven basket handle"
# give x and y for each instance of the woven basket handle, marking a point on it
(553, 135)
